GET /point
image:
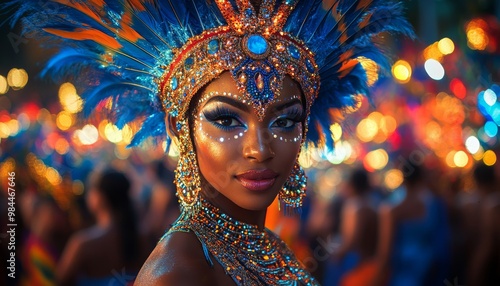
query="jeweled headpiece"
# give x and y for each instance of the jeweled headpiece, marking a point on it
(147, 58)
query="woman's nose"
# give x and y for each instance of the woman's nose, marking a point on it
(258, 144)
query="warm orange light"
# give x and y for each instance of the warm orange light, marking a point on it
(70, 100)
(376, 160)
(17, 78)
(460, 159)
(393, 179)
(489, 158)
(446, 46)
(64, 120)
(4, 86)
(62, 146)
(336, 131)
(367, 129)
(401, 71)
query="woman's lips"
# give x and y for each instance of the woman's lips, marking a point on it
(257, 180)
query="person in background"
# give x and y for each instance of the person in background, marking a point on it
(352, 263)
(484, 267)
(48, 231)
(163, 207)
(109, 252)
(413, 236)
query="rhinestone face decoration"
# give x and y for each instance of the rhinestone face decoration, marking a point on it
(200, 118)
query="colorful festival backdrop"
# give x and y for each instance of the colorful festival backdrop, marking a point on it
(440, 106)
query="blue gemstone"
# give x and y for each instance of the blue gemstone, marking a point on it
(290, 2)
(294, 52)
(213, 46)
(265, 13)
(188, 63)
(248, 12)
(257, 44)
(310, 66)
(174, 84)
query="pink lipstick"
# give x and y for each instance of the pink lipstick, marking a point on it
(257, 180)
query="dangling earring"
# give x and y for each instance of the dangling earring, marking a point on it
(187, 173)
(293, 191)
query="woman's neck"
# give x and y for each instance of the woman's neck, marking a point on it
(257, 217)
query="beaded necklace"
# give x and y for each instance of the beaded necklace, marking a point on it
(249, 255)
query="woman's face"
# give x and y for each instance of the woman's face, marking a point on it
(245, 157)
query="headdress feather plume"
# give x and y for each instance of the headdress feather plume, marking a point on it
(125, 45)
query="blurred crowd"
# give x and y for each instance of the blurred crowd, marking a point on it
(432, 230)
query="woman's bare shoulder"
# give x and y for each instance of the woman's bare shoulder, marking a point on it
(178, 259)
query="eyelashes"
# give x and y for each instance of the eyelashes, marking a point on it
(223, 118)
(227, 120)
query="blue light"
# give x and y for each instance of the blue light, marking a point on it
(491, 129)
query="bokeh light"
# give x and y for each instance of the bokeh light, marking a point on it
(64, 120)
(458, 88)
(376, 160)
(489, 158)
(69, 99)
(367, 129)
(4, 86)
(61, 146)
(113, 134)
(434, 69)
(17, 78)
(393, 179)
(490, 97)
(446, 46)
(491, 129)
(401, 71)
(472, 144)
(336, 131)
(460, 159)
(477, 39)
(88, 135)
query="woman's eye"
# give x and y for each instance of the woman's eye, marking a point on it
(284, 123)
(227, 121)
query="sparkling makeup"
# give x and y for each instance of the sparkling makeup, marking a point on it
(285, 124)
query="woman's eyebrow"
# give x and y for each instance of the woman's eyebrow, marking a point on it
(228, 100)
(287, 104)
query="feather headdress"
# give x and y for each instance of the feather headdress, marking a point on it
(125, 47)
(147, 58)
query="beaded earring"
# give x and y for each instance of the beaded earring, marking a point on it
(187, 173)
(293, 191)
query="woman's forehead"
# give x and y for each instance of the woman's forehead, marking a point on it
(225, 86)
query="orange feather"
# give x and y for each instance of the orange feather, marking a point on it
(347, 67)
(126, 31)
(87, 34)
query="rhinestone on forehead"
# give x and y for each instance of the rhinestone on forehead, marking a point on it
(253, 48)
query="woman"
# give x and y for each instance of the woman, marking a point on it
(108, 253)
(352, 263)
(238, 83)
(413, 243)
